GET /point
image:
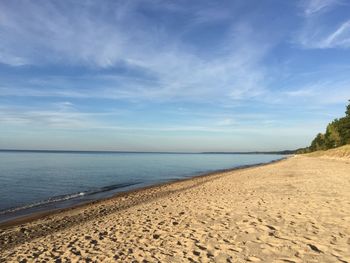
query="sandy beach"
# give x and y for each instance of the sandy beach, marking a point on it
(295, 210)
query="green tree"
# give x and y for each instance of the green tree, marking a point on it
(337, 134)
(318, 143)
(347, 112)
(332, 135)
(344, 130)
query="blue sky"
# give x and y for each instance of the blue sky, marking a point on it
(171, 75)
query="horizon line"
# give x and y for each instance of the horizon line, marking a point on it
(162, 152)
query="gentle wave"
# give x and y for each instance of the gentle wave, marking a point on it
(62, 198)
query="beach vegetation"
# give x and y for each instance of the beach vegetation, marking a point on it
(337, 134)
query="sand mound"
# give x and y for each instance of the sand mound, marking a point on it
(337, 153)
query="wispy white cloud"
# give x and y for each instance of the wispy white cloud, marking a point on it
(313, 7)
(226, 122)
(83, 36)
(66, 115)
(301, 92)
(11, 60)
(314, 36)
(339, 38)
(57, 115)
(61, 115)
(83, 121)
(47, 32)
(320, 30)
(222, 59)
(322, 92)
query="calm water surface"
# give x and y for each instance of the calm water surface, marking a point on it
(30, 181)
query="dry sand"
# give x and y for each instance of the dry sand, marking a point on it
(296, 210)
(340, 153)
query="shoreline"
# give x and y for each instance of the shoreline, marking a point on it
(17, 220)
(294, 210)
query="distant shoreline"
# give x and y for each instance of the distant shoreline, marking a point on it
(285, 152)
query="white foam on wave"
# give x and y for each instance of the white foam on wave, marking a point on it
(44, 202)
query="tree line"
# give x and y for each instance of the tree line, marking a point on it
(337, 134)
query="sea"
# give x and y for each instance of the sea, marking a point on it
(40, 181)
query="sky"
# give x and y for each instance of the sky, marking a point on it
(151, 75)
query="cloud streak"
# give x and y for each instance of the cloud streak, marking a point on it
(338, 37)
(93, 41)
(319, 30)
(314, 7)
